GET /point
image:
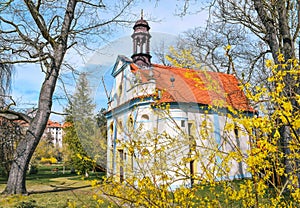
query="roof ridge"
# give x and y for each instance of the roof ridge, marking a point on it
(191, 69)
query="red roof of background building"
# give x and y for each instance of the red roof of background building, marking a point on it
(53, 124)
(196, 86)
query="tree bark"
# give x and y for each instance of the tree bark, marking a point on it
(25, 149)
(283, 44)
(269, 24)
(27, 146)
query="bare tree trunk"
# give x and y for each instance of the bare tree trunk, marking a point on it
(25, 149)
(283, 44)
(27, 146)
(289, 92)
(268, 22)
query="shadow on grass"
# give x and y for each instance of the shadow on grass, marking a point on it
(59, 189)
(3, 180)
(45, 175)
(42, 177)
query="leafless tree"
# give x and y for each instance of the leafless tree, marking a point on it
(208, 43)
(160, 51)
(43, 32)
(274, 24)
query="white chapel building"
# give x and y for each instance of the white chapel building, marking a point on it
(172, 124)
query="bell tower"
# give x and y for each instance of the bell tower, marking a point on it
(141, 43)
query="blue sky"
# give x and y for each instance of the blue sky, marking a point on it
(28, 78)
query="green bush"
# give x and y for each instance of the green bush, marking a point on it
(51, 160)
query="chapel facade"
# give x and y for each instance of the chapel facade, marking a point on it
(164, 120)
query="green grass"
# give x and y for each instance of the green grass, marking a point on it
(49, 189)
(52, 189)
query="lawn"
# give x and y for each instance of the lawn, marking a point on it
(48, 188)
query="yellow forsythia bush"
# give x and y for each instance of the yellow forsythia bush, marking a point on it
(51, 160)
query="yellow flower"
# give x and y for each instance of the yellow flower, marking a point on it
(269, 63)
(227, 48)
(287, 106)
(277, 134)
(281, 57)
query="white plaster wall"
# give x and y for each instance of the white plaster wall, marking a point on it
(171, 123)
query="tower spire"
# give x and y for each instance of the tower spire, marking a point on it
(141, 42)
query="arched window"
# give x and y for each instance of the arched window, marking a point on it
(145, 117)
(111, 128)
(130, 123)
(111, 131)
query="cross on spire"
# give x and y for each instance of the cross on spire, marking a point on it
(142, 13)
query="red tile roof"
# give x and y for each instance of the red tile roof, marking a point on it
(53, 124)
(196, 86)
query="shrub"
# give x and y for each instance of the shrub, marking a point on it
(51, 160)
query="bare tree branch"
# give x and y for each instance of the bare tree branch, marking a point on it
(100, 4)
(39, 20)
(13, 115)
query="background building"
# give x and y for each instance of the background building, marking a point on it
(54, 132)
